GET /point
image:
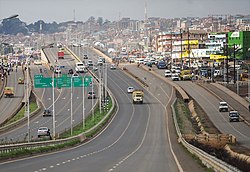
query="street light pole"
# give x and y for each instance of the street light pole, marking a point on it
(27, 98)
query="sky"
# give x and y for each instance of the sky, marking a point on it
(30, 11)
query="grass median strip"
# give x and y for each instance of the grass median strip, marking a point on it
(89, 123)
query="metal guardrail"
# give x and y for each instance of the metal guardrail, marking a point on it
(207, 159)
(81, 137)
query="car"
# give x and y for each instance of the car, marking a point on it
(85, 56)
(37, 62)
(75, 75)
(91, 95)
(130, 89)
(112, 67)
(175, 77)
(100, 62)
(58, 70)
(168, 73)
(20, 80)
(47, 112)
(234, 116)
(70, 71)
(43, 131)
(223, 107)
(90, 63)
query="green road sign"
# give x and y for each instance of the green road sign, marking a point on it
(87, 81)
(63, 82)
(43, 82)
(77, 81)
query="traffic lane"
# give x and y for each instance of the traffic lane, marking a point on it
(62, 116)
(101, 144)
(156, 85)
(13, 102)
(235, 105)
(210, 105)
(153, 152)
(166, 95)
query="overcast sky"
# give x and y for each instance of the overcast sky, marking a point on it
(63, 10)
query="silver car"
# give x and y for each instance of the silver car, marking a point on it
(43, 131)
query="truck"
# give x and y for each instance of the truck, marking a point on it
(60, 54)
(9, 92)
(137, 96)
(186, 75)
(80, 67)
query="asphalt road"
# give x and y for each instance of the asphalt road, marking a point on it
(141, 137)
(210, 104)
(9, 105)
(62, 103)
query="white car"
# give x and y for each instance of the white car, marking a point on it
(58, 70)
(113, 66)
(168, 73)
(37, 62)
(175, 77)
(223, 107)
(43, 131)
(130, 89)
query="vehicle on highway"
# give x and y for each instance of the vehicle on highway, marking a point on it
(223, 107)
(57, 70)
(91, 95)
(185, 74)
(90, 63)
(130, 89)
(137, 96)
(168, 73)
(113, 67)
(100, 62)
(37, 62)
(80, 67)
(9, 92)
(47, 112)
(85, 56)
(60, 54)
(75, 75)
(175, 77)
(43, 131)
(70, 71)
(20, 80)
(234, 116)
(161, 65)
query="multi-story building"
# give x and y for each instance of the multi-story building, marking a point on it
(240, 43)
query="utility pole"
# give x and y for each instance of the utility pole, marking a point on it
(181, 48)
(234, 66)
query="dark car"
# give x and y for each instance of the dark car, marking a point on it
(47, 112)
(234, 116)
(71, 71)
(161, 65)
(91, 95)
(85, 56)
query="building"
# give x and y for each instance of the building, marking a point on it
(240, 43)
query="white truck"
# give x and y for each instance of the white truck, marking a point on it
(80, 67)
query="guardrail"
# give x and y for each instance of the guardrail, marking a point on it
(81, 137)
(207, 159)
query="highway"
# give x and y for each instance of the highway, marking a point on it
(62, 103)
(140, 137)
(9, 105)
(210, 104)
